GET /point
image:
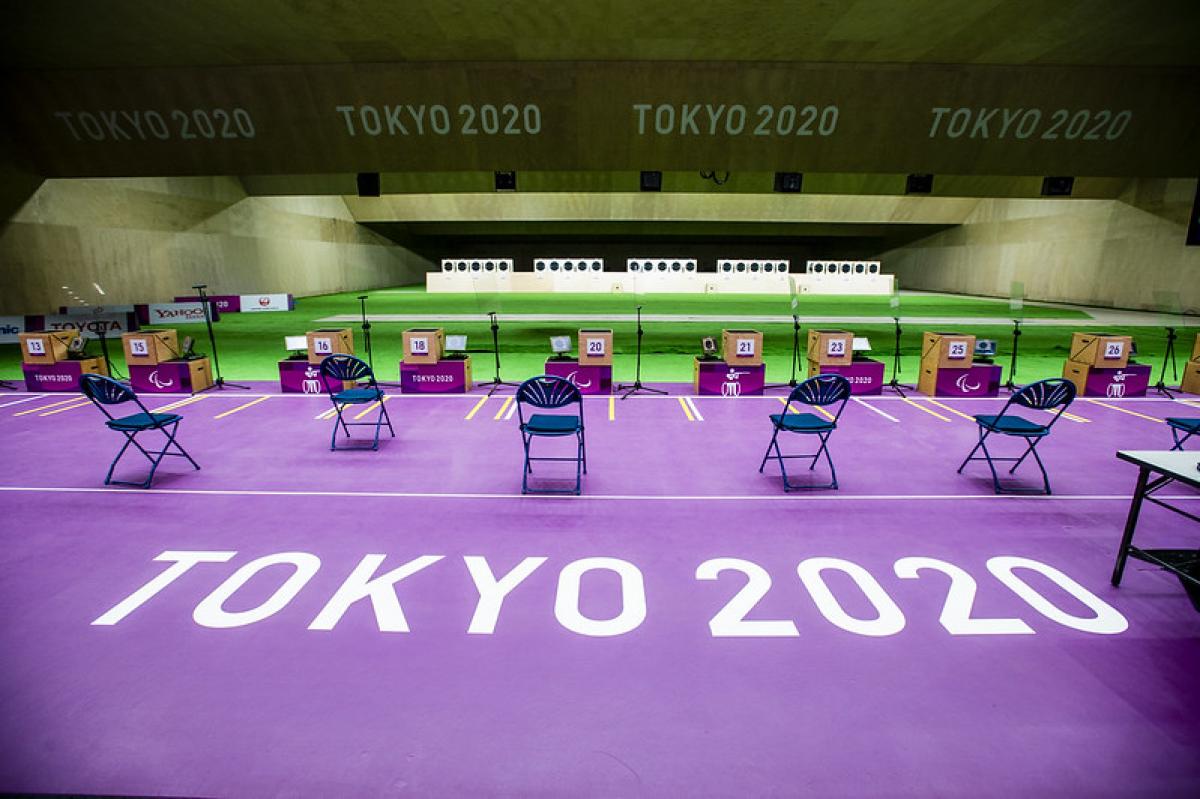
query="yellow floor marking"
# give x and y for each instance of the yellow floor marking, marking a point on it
(65, 408)
(954, 411)
(1066, 415)
(170, 406)
(1124, 410)
(475, 410)
(929, 411)
(790, 408)
(369, 408)
(686, 410)
(503, 407)
(612, 409)
(241, 407)
(47, 407)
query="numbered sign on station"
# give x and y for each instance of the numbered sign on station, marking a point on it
(418, 345)
(322, 345)
(836, 347)
(35, 346)
(1114, 350)
(596, 346)
(957, 350)
(139, 346)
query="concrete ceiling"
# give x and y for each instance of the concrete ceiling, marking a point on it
(72, 34)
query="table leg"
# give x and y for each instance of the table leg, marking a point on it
(1135, 508)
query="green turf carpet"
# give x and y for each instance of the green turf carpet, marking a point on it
(251, 344)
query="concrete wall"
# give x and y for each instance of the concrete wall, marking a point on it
(1121, 253)
(151, 239)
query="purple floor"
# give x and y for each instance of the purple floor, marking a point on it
(562, 687)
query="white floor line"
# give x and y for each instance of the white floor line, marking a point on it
(873, 408)
(800, 496)
(511, 410)
(23, 399)
(696, 411)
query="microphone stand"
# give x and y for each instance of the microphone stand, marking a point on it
(219, 382)
(1169, 355)
(1010, 386)
(636, 385)
(894, 383)
(793, 382)
(495, 382)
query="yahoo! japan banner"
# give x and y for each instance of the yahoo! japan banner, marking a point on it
(174, 313)
(267, 302)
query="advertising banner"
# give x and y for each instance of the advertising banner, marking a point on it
(112, 325)
(225, 303)
(10, 328)
(175, 313)
(252, 303)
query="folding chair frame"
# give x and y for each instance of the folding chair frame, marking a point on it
(556, 398)
(1175, 431)
(1031, 396)
(341, 368)
(155, 457)
(829, 386)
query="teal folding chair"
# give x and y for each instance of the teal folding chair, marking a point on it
(104, 392)
(336, 370)
(1044, 395)
(547, 392)
(1188, 426)
(816, 392)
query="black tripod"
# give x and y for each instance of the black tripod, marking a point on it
(894, 383)
(495, 382)
(219, 382)
(793, 382)
(636, 385)
(1169, 355)
(102, 334)
(7, 386)
(366, 329)
(1012, 364)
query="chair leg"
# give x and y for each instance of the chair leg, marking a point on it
(767, 454)
(583, 450)
(1030, 443)
(987, 456)
(171, 440)
(113, 465)
(387, 418)
(1038, 460)
(966, 460)
(832, 471)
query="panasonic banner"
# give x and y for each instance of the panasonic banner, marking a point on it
(10, 327)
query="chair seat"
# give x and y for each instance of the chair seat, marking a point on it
(1012, 425)
(1187, 425)
(143, 421)
(545, 424)
(802, 422)
(357, 396)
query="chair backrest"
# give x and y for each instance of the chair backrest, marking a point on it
(548, 392)
(341, 368)
(821, 390)
(104, 390)
(1044, 395)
